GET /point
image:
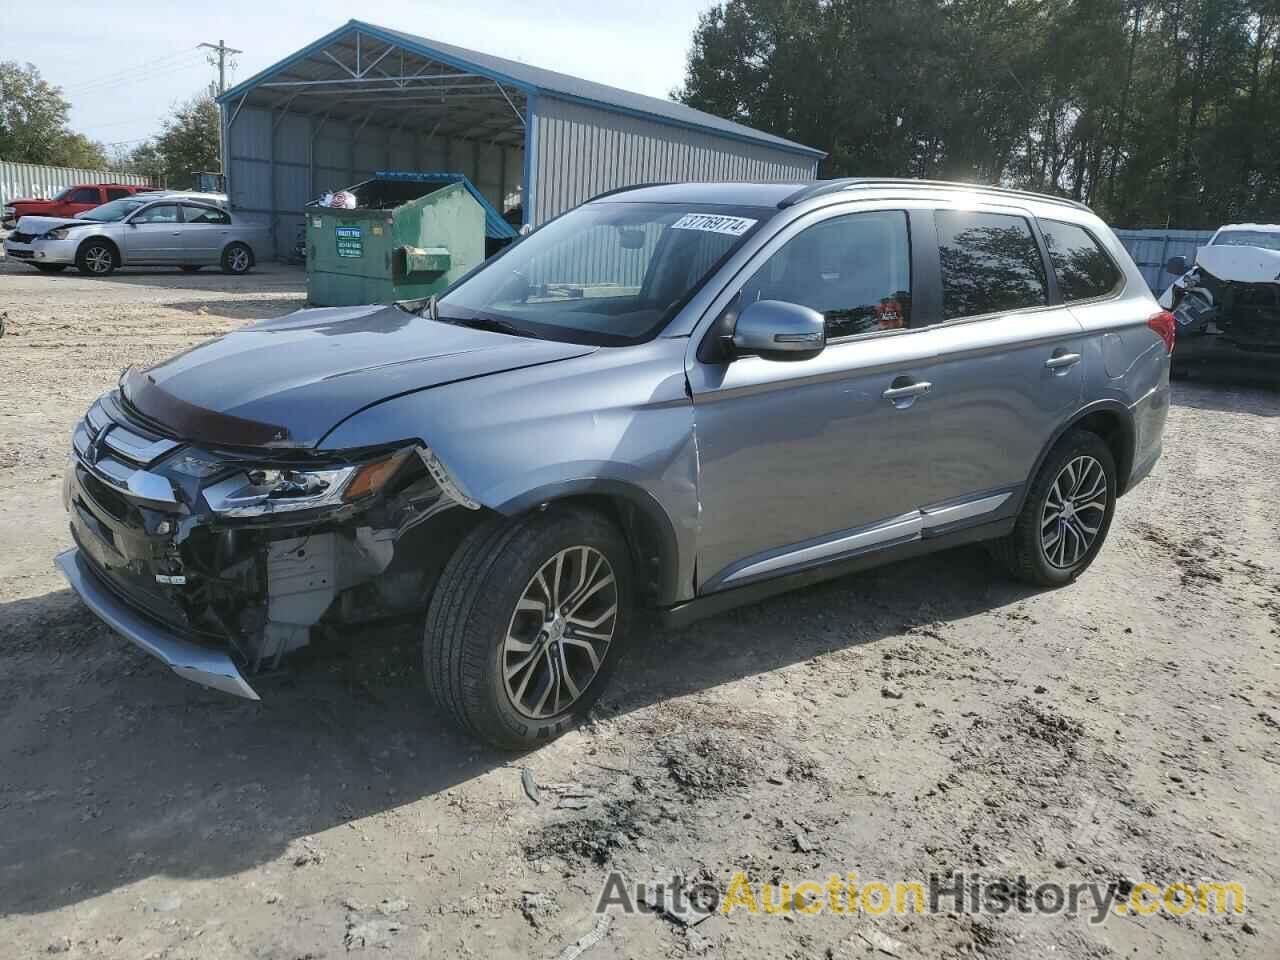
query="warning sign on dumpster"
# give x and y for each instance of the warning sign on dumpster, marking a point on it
(350, 241)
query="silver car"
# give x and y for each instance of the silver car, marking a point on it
(676, 398)
(188, 231)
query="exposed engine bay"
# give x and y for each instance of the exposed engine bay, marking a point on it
(1231, 294)
(257, 552)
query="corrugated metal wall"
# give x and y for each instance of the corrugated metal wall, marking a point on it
(275, 169)
(581, 151)
(1151, 250)
(23, 180)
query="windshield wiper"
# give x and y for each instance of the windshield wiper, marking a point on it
(492, 324)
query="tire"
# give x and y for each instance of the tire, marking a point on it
(97, 258)
(237, 259)
(50, 267)
(189, 267)
(475, 627)
(1032, 553)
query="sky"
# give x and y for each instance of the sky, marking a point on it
(123, 64)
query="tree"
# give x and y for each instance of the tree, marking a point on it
(33, 122)
(186, 144)
(1152, 111)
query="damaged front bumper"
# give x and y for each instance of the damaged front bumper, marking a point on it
(188, 568)
(201, 665)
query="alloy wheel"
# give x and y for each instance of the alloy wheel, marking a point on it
(560, 632)
(1073, 511)
(238, 260)
(99, 259)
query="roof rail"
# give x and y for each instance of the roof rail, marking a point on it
(822, 188)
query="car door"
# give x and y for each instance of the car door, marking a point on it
(205, 231)
(79, 200)
(1009, 365)
(154, 235)
(803, 462)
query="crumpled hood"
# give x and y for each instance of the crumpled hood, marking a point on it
(306, 372)
(38, 225)
(1240, 264)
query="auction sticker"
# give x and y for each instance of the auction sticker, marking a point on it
(714, 223)
(350, 241)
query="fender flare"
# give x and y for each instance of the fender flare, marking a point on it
(658, 522)
(1125, 417)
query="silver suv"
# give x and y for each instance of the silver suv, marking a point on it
(678, 398)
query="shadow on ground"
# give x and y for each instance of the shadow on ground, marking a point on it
(115, 770)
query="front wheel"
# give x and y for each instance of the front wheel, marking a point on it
(527, 624)
(237, 258)
(96, 258)
(1066, 516)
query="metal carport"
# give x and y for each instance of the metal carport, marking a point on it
(366, 98)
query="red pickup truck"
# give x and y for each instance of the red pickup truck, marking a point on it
(70, 201)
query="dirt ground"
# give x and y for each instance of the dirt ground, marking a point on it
(919, 719)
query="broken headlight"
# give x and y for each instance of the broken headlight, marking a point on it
(254, 491)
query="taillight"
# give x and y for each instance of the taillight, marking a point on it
(1166, 326)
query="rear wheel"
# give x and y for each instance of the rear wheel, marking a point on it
(97, 258)
(237, 258)
(527, 624)
(1067, 513)
(50, 267)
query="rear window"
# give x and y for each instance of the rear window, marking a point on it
(1083, 269)
(990, 264)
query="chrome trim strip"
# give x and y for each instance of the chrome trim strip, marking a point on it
(97, 417)
(907, 526)
(138, 449)
(208, 668)
(941, 516)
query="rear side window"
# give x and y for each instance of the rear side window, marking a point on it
(1083, 268)
(84, 195)
(990, 263)
(204, 215)
(117, 193)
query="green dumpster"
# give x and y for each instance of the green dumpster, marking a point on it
(409, 236)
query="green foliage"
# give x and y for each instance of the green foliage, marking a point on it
(33, 123)
(1152, 111)
(187, 144)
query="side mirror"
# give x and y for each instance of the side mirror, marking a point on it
(777, 330)
(1177, 266)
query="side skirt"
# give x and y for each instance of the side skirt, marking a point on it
(711, 604)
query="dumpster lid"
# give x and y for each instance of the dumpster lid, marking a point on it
(369, 196)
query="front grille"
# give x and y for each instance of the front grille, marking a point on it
(20, 254)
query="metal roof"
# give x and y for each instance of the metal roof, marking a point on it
(530, 80)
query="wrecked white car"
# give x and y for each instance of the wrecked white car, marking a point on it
(1227, 303)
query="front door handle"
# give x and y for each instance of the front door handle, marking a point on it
(1060, 361)
(910, 390)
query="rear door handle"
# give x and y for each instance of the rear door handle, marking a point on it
(910, 390)
(1060, 361)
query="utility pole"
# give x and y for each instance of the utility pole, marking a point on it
(222, 50)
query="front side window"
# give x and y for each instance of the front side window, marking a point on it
(160, 213)
(608, 273)
(205, 215)
(84, 195)
(1083, 269)
(855, 270)
(990, 264)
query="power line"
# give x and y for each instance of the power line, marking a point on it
(126, 80)
(128, 71)
(222, 50)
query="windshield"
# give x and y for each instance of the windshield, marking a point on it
(113, 211)
(1248, 238)
(607, 273)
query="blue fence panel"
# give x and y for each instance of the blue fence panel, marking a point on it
(1151, 250)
